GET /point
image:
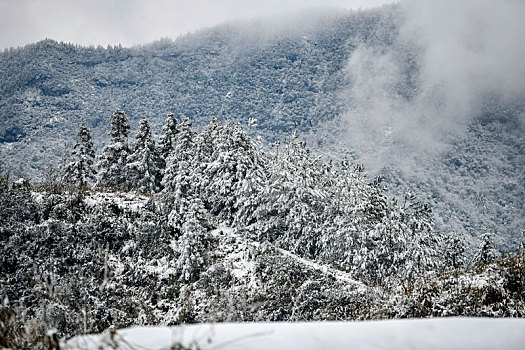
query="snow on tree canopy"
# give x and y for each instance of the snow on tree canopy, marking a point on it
(80, 171)
(316, 210)
(238, 233)
(144, 165)
(113, 160)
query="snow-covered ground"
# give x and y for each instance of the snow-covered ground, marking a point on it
(438, 333)
(337, 274)
(124, 200)
(243, 265)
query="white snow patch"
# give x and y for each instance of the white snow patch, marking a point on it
(337, 274)
(37, 197)
(239, 255)
(124, 200)
(55, 119)
(163, 269)
(429, 334)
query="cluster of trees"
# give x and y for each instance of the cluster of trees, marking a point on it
(228, 232)
(318, 210)
(121, 165)
(490, 286)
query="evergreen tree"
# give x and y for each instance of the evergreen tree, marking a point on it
(455, 251)
(291, 202)
(65, 159)
(80, 171)
(63, 163)
(178, 175)
(192, 243)
(169, 139)
(485, 253)
(112, 161)
(119, 127)
(144, 164)
(226, 155)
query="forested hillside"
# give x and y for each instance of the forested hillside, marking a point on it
(305, 74)
(208, 226)
(288, 80)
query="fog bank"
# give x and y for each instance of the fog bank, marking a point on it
(448, 58)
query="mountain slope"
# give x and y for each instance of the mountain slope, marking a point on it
(236, 234)
(350, 82)
(287, 80)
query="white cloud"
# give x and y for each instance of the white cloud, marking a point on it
(129, 22)
(467, 50)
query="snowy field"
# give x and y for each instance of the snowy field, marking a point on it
(442, 333)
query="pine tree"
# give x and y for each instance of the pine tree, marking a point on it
(226, 155)
(119, 127)
(485, 253)
(178, 176)
(291, 202)
(192, 243)
(63, 163)
(65, 159)
(80, 171)
(144, 164)
(169, 139)
(454, 251)
(112, 161)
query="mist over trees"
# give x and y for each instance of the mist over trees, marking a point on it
(250, 202)
(338, 79)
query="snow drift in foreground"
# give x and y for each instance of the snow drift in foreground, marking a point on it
(442, 333)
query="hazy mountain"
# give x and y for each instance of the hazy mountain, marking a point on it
(286, 77)
(368, 84)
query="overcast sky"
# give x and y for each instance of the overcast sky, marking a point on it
(130, 22)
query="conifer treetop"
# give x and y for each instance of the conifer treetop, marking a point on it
(119, 127)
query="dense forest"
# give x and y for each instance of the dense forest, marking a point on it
(297, 76)
(210, 225)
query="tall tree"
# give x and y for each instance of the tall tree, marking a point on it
(144, 167)
(112, 161)
(485, 253)
(192, 243)
(168, 140)
(80, 171)
(226, 153)
(178, 175)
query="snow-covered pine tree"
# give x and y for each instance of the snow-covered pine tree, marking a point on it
(292, 199)
(178, 176)
(79, 171)
(228, 154)
(4, 178)
(169, 139)
(192, 243)
(144, 167)
(65, 159)
(63, 163)
(455, 251)
(112, 161)
(485, 253)
(425, 248)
